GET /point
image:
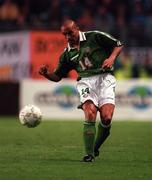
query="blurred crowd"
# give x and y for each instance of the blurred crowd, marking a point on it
(129, 20)
(134, 62)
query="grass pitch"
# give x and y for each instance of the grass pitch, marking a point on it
(54, 149)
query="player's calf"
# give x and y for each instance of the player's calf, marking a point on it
(102, 134)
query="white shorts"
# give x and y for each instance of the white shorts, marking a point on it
(100, 89)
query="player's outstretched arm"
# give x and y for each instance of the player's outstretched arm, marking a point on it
(44, 71)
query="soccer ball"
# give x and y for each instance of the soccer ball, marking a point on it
(30, 116)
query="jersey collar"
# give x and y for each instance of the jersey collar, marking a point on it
(82, 37)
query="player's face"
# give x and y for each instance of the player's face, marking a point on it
(71, 34)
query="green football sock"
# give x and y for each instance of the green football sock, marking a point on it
(102, 134)
(89, 133)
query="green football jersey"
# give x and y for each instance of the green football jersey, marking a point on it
(95, 47)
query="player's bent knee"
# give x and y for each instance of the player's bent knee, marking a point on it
(90, 112)
(90, 115)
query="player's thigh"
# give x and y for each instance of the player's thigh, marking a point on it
(90, 110)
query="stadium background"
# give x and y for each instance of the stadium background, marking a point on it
(29, 36)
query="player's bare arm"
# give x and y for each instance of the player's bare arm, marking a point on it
(108, 63)
(44, 71)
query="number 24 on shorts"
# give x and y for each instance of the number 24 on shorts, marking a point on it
(85, 91)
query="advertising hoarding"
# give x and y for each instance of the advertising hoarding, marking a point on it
(60, 100)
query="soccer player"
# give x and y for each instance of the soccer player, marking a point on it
(92, 54)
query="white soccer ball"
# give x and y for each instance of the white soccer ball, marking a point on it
(30, 116)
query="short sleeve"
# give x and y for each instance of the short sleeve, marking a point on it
(107, 40)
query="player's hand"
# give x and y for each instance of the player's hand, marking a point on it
(108, 63)
(43, 70)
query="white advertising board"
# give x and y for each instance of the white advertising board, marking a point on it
(134, 100)
(60, 100)
(56, 100)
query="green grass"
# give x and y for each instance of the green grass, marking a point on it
(54, 151)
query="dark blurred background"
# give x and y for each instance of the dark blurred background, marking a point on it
(131, 21)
